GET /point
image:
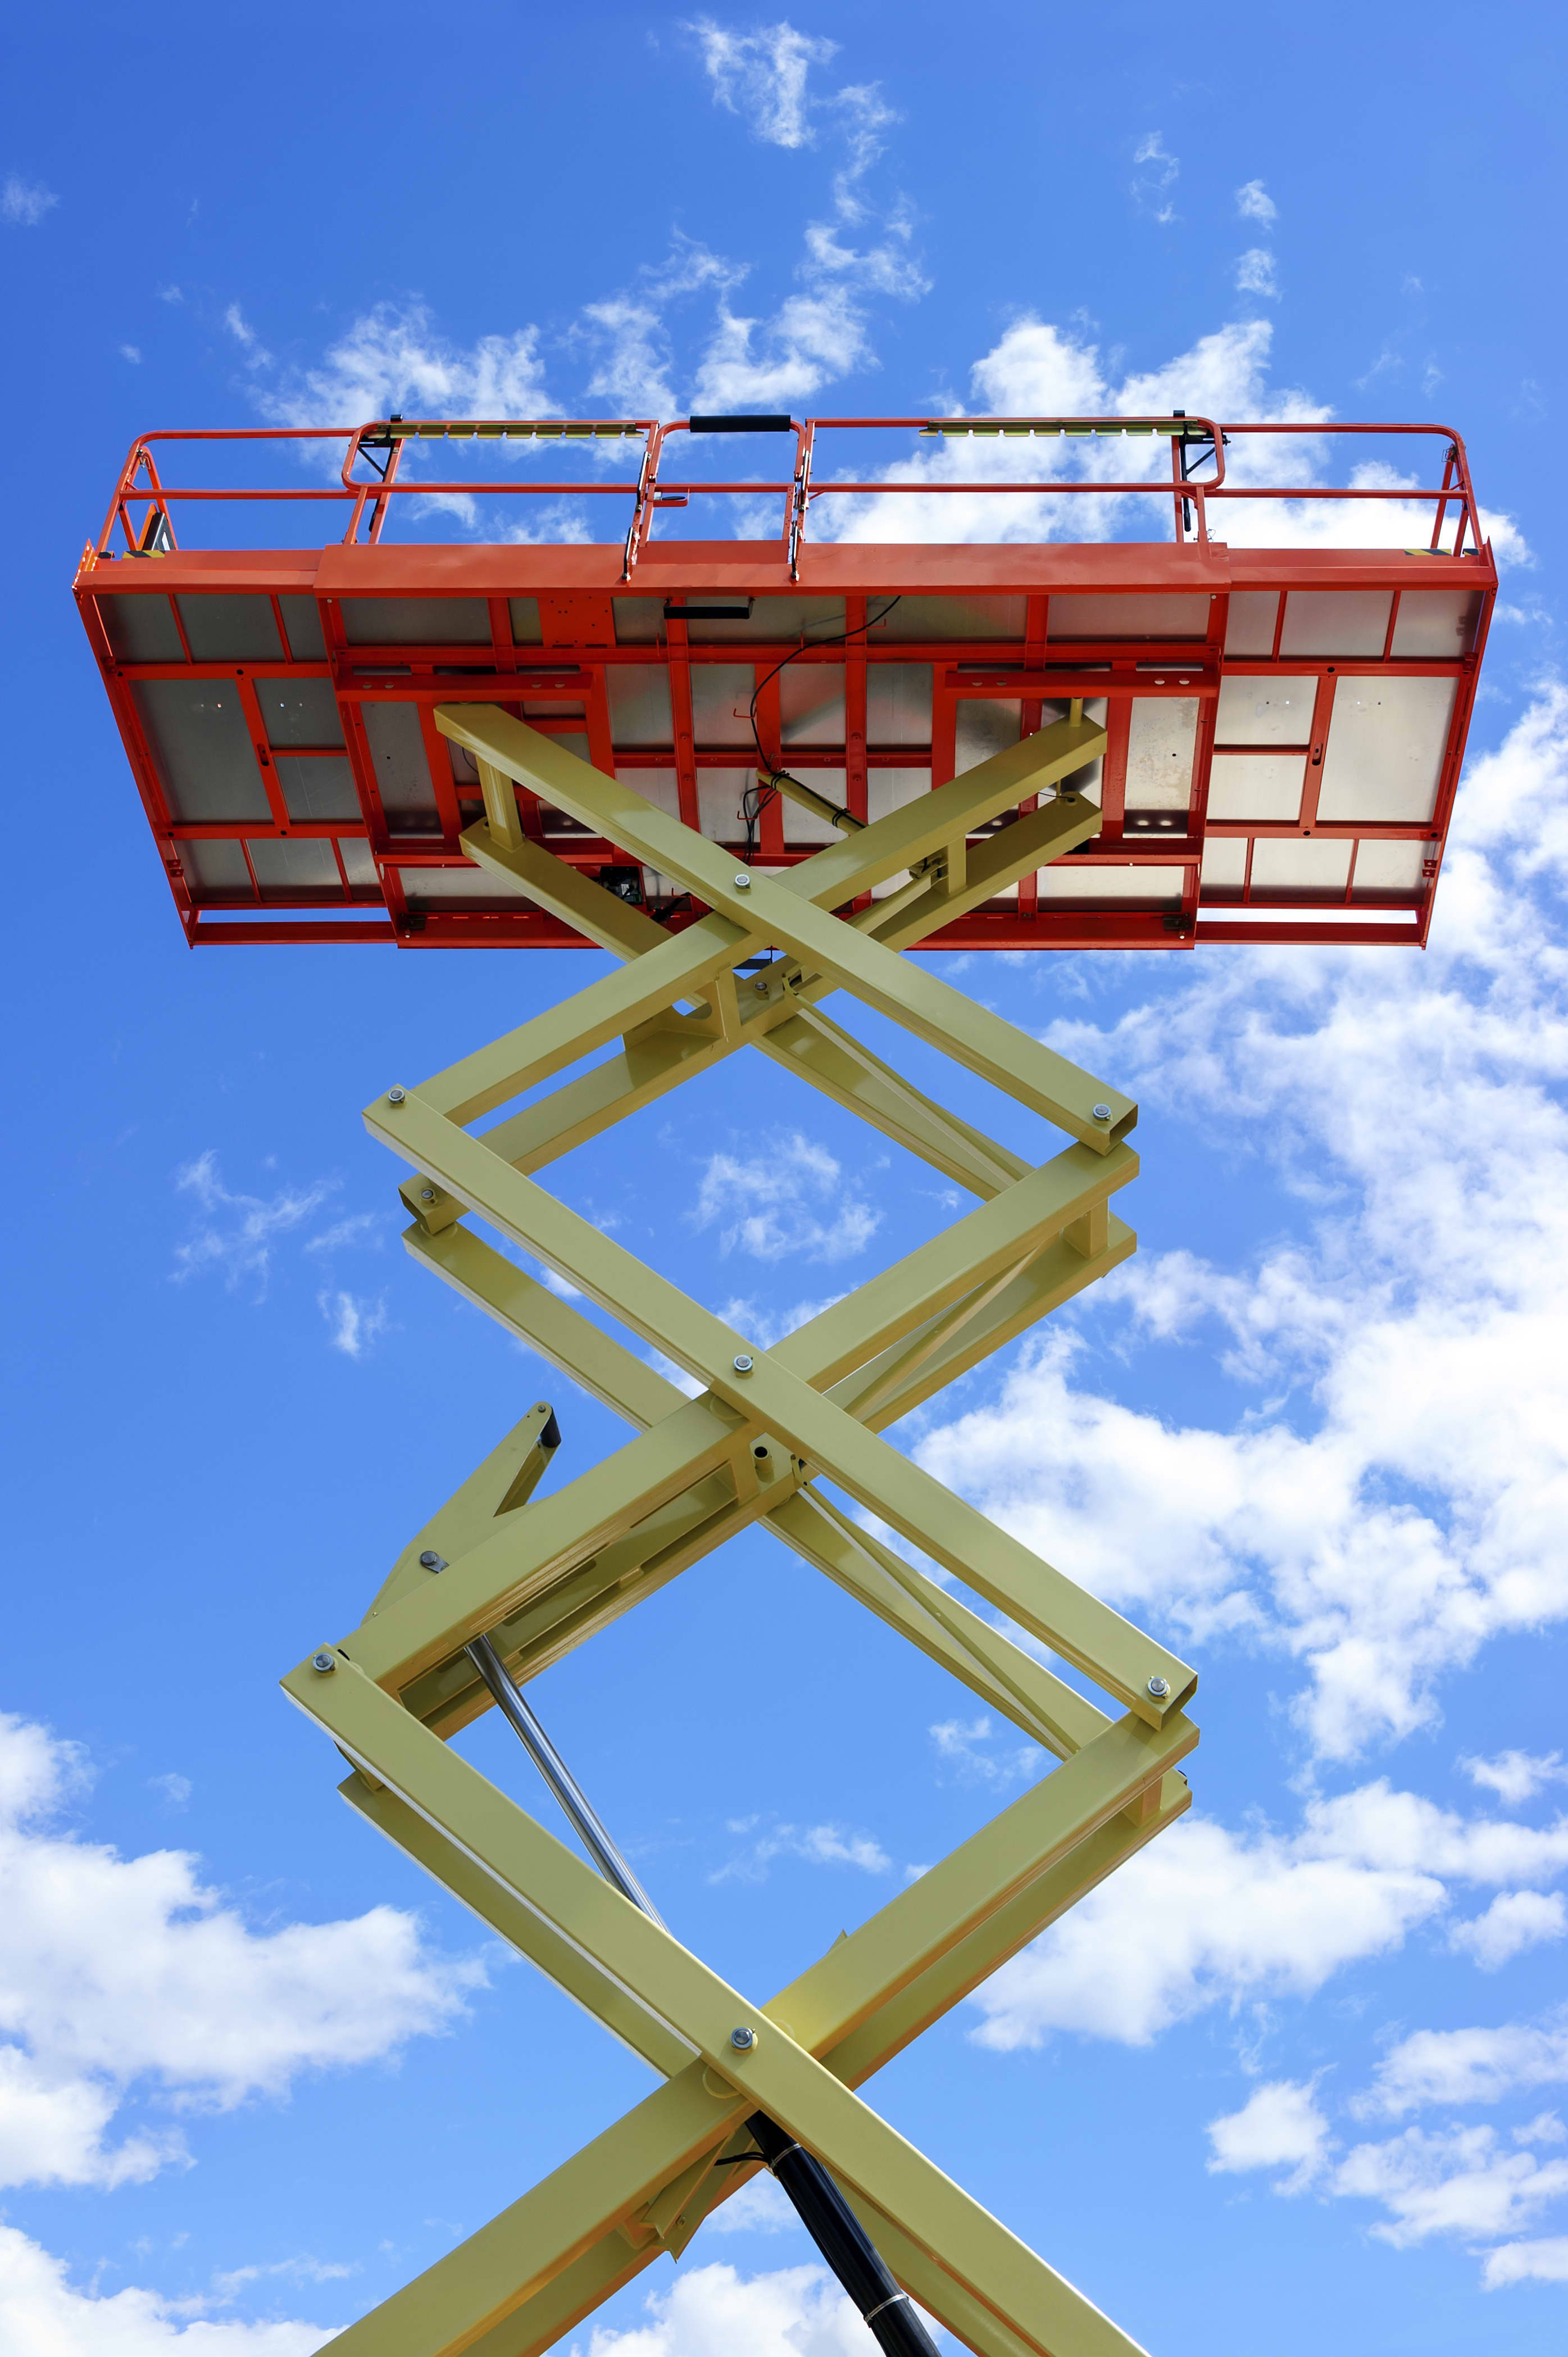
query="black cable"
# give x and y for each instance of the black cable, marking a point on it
(756, 799)
(842, 2241)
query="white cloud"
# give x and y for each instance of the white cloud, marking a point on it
(1514, 1922)
(130, 352)
(760, 2207)
(792, 1199)
(175, 1789)
(1256, 273)
(1459, 2180)
(1279, 2127)
(1538, 2262)
(1253, 203)
(961, 1747)
(394, 358)
(863, 116)
(1516, 1776)
(1468, 2066)
(767, 1326)
(236, 1233)
(1466, 2181)
(356, 1228)
(244, 335)
(125, 1978)
(1393, 1491)
(42, 2314)
(1155, 174)
(1202, 1917)
(825, 1845)
(714, 2311)
(24, 203)
(353, 1320)
(780, 362)
(763, 75)
(1207, 1917)
(1037, 369)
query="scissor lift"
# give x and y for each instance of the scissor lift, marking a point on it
(758, 773)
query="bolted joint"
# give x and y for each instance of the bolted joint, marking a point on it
(743, 1362)
(324, 1663)
(433, 1208)
(743, 2039)
(1159, 1689)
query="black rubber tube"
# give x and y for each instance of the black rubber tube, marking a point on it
(842, 2241)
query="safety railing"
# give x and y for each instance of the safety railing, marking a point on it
(369, 480)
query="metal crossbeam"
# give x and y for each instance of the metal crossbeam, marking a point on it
(499, 1583)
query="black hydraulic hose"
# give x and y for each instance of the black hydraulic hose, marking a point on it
(842, 2241)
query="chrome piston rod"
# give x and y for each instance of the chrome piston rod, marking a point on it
(822, 2208)
(585, 1818)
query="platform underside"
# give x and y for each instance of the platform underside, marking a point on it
(1284, 728)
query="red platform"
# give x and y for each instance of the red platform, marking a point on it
(1285, 725)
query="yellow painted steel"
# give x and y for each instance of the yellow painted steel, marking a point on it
(538, 1576)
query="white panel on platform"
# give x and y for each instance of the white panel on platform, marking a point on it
(639, 695)
(1390, 867)
(1134, 616)
(1256, 785)
(1386, 744)
(1250, 630)
(1161, 739)
(899, 705)
(1131, 887)
(1224, 863)
(1336, 621)
(721, 699)
(812, 703)
(1271, 711)
(982, 727)
(889, 790)
(951, 617)
(1436, 622)
(1282, 863)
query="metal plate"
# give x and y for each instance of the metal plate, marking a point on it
(1336, 622)
(1266, 711)
(1161, 740)
(1385, 756)
(1256, 785)
(198, 735)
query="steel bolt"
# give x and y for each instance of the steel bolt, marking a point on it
(743, 2039)
(324, 1662)
(394, 1096)
(431, 1561)
(743, 883)
(427, 1194)
(1100, 1112)
(760, 987)
(743, 1362)
(1159, 1689)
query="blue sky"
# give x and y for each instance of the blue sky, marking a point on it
(1307, 2059)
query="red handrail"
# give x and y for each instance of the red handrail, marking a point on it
(800, 492)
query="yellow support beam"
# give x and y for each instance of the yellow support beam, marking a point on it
(505, 1577)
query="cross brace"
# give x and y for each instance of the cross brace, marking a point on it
(505, 1581)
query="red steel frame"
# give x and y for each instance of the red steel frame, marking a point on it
(563, 676)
